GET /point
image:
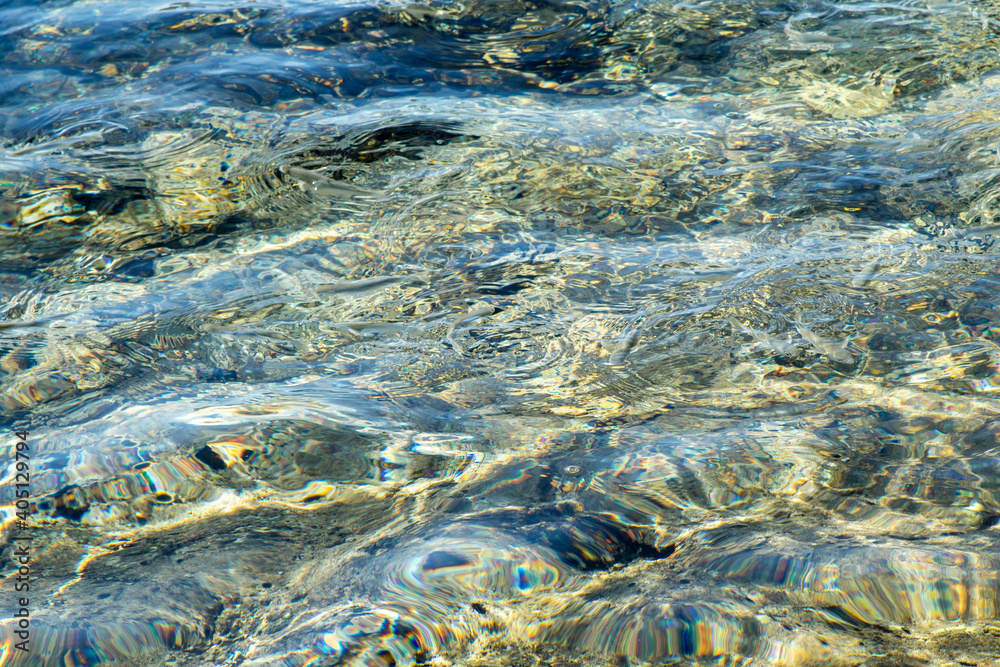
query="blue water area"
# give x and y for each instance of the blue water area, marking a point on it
(499, 333)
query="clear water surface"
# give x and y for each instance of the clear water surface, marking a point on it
(501, 333)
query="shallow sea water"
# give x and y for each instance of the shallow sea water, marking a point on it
(515, 333)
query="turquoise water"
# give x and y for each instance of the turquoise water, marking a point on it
(499, 333)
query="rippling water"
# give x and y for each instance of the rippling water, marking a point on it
(515, 333)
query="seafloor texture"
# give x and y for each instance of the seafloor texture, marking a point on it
(522, 333)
